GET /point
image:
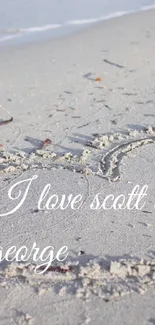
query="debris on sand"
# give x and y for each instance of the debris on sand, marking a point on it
(46, 143)
(99, 79)
(114, 64)
(6, 121)
(150, 130)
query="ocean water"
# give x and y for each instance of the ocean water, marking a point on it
(35, 19)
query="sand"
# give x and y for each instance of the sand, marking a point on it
(92, 94)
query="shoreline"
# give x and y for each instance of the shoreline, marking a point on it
(31, 33)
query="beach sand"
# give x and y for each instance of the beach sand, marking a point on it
(92, 94)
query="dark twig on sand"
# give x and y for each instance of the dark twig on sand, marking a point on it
(114, 64)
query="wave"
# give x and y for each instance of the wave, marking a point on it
(95, 20)
(40, 28)
(20, 32)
